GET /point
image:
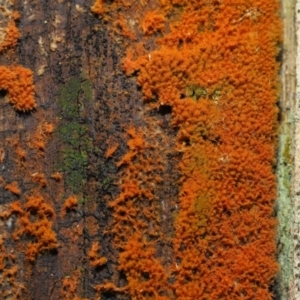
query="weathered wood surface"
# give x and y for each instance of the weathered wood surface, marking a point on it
(78, 80)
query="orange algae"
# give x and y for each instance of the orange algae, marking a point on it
(134, 211)
(48, 128)
(19, 151)
(98, 7)
(21, 154)
(93, 256)
(34, 219)
(70, 204)
(8, 272)
(13, 187)
(125, 29)
(39, 178)
(153, 22)
(41, 136)
(18, 82)
(145, 274)
(11, 32)
(216, 69)
(2, 155)
(70, 285)
(111, 150)
(57, 176)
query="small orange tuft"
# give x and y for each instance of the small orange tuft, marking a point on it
(21, 153)
(11, 33)
(38, 142)
(98, 7)
(2, 155)
(12, 271)
(111, 150)
(40, 137)
(39, 178)
(107, 286)
(70, 285)
(57, 176)
(94, 258)
(13, 187)
(18, 82)
(70, 204)
(153, 22)
(130, 63)
(48, 128)
(16, 207)
(125, 30)
(34, 219)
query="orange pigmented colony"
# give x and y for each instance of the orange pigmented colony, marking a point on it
(35, 219)
(111, 150)
(131, 221)
(9, 272)
(93, 255)
(39, 178)
(18, 82)
(70, 204)
(57, 176)
(13, 187)
(41, 136)
(153, 22)
(98, 7)
(70, 286)
(215, 66)
(10, 34)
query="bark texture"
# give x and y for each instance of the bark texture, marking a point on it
(82, 91)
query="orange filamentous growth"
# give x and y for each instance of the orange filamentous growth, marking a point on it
(125, 29)
(18, 82)
(153, 22)
(13, 187)
(129, 64)
(135, 144)
(48, 128)
(70, 285)
(39, 178)
(215, 67)
(9, 283)
(101, 7)
(98, 7)
(133, 210)
(35, 220)
(38, 142)
(94, 258)
(41, 136)
(111, 150)
(57, 176)
(145, 274)
(10, 33)
(70, 204)
(21, 154)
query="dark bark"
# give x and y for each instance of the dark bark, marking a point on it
(79, 82)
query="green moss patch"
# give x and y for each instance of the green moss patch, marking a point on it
(76, 142)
